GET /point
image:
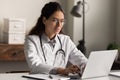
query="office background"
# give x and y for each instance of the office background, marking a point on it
(102, 23)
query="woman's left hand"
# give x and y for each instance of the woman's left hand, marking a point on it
(74, 69)
(71, 69)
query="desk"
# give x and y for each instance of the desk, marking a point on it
(18, 76)
(105, 78)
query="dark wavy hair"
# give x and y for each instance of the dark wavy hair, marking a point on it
(46, 12)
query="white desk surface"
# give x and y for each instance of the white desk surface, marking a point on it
(18, 76)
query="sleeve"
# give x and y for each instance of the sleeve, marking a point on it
(34, 60)
(76, 57)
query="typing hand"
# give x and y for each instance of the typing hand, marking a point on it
(74, 69)
(71, 69)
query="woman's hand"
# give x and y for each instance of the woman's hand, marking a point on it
(71, 69)
(74, 69)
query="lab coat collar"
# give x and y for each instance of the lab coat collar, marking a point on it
(47, 40)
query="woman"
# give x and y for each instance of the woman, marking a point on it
(47, 49)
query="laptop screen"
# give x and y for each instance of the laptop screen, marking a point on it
(99, 63)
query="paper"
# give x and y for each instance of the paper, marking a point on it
(46, 77)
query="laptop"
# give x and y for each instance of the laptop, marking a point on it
(99, 64)
(115, 73)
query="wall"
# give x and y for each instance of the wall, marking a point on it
(30, 10)
(69, 18)
(100, 24)
(118, 22)
(7, 66)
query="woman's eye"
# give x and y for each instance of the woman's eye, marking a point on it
(55, 20)
(62, 21)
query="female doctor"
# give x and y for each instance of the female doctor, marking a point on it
(47, 49)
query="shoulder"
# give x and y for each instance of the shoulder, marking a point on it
(32, 37)
(64, 37)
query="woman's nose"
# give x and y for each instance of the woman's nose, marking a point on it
(60, 23)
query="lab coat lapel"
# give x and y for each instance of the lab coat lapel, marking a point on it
(56, 46)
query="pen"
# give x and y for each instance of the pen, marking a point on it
(50, 77)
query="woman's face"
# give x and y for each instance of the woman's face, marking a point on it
(54, 23)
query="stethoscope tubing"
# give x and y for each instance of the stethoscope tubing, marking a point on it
(56, 52)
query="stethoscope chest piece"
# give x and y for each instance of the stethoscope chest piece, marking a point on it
(59, 57)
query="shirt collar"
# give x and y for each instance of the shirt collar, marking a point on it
(47, 40)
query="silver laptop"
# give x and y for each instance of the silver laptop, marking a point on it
(115, 73)
(99, 63)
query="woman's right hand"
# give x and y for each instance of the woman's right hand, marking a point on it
(71, 69)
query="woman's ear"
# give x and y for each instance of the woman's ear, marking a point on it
(44, 20)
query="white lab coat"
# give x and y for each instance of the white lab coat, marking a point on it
(35, 58)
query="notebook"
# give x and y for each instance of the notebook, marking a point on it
(46, 77)
(99, 64)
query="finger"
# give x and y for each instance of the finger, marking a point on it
(67, 71)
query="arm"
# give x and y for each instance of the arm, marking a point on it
(77, 59)
(34, 59)
(76, 56)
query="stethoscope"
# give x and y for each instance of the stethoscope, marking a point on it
(58, 51)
